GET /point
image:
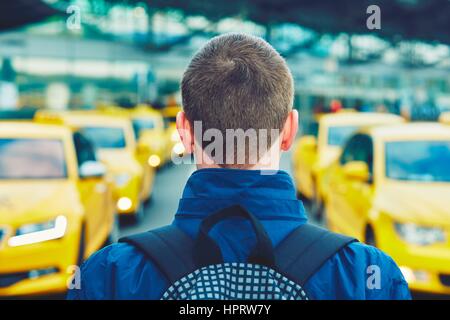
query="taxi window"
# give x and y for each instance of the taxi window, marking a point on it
(171, 119)
(84, 148)
(105, 137)
(348, 154)
(359, 148)
(338, 135)
(311, 129)
(142, 124)
(166, 123)
(32, 159)
(426, 161)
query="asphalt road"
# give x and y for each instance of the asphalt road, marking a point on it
(168, 187)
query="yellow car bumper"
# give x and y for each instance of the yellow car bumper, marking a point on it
(426, 268)
(424, 271)
(128, 196)
(40, 268)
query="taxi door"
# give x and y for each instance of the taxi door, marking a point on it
(94, 196)
(351, 199)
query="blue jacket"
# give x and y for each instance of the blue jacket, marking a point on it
(120, 271)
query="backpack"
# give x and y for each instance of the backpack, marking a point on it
(196, 271)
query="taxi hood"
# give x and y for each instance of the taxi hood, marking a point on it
(37, 200)
(421, 203)
(328, 154)
(119, 160)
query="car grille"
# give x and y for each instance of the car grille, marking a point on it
(7, 280)
(445, 279)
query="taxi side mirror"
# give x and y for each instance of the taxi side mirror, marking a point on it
(92, 169)
(357, 170)
(308, 144)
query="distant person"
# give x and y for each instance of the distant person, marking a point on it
(425, 111)
(239, 232)
(157, 104)
(336, 105)
(381, 108)
(172, 101)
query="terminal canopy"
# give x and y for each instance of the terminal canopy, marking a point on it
(17, 13)
(426, 20)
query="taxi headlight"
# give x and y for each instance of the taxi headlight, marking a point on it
(122, 179)
(175, 137)
(124, 204)
(154, 161)
(419, 235)
(39, 232)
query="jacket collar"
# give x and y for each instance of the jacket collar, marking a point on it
(268, 195)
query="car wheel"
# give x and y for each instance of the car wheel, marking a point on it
(325, 223)
(114, 235)
(139, 214)
(317, 208)
(149, 199)
(301, 196)
(370, 237)
(82, 246)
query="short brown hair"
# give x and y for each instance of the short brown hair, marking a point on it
(237, 81)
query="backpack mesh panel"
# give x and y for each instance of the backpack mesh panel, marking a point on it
(235, 281)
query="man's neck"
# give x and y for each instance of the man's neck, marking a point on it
(269, 161)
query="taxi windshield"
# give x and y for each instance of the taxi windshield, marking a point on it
(142, 124)
(426, 161)
(105, 137)
(338, 135)
(171, 119)
(32, 159)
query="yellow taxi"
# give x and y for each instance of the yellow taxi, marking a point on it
(312, 156)
(170, 116)
(149, 130)
(56, 207)
(391, 189)
(114, 141)
(143, 120)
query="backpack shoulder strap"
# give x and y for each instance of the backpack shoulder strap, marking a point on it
(306, 249)
(169, 248)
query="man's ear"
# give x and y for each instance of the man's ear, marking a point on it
(289, 131)
(185, 131)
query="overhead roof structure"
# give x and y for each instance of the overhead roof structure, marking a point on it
(16, 13)
(427, 20)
